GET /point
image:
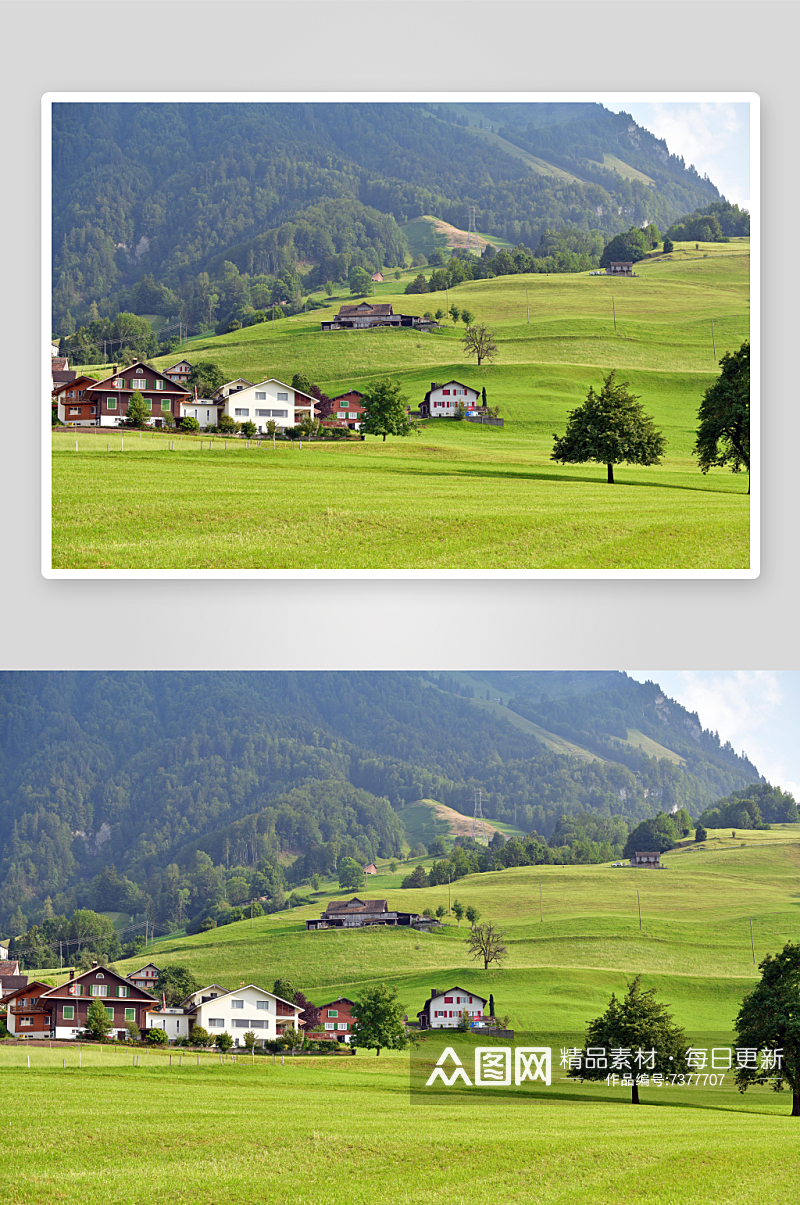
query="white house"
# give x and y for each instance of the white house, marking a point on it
(216, 1010)
(444, 1010)
(204, 409)
(442, 401)
(269, 399)
(230, 387)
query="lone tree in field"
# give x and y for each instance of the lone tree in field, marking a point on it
(723, 436)
(610, 427)
(478, 341)
(379, 1020)
(768, 1027)
(486, 942)
(640, 1032)
(385, 410)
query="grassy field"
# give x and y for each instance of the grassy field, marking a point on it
(329, 1131)
(455, 495)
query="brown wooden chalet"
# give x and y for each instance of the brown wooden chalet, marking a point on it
(26, 1016)
(112, 395)
(356, 913)
(367, 314)
(66, 1006)
(649, 859)
(73, 406)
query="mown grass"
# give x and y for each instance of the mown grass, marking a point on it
(326, 1132)
(455, 496)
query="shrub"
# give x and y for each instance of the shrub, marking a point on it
(700, 833)
(157, 1037)
(223, 1041)
(200, 1036)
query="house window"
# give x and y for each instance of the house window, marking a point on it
(93, 410)
(333, 1012)
(137, 383)
(149, 401)
(448, 999)
(165, 405)
(243, 1024)
(130, 1014)
(342, 414)
(26, 1020)
(262, 1005)
(329, 1025)
(216, 1023)
(260, 397)
(445, 393)
(123, 991)
(159, 384)
(74, 409)
(262, 413)
(111, 403)
(68, 1012)
(280, 413)
(110, 1013)
(283, 397)
(341, 1025)
(242, 413)
(99, 989)
(355, 415)
(237, 1003)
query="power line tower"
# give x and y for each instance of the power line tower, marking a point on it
(477, 818)
(472, 233)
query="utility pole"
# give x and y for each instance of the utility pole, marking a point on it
(639, 902)
(251, 914)
(541, 913)
(448, 895)
(752, 945)
(527, 306)
(713, 341)
(614, 308)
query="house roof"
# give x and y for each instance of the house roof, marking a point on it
(24, 987)
(379, 310)
(461, 385)
(146, 966)
(115, 376)
(435, 992)
(60, 363)
(331, 1003)
(64, 378)
(63, 989)
(244, 988)
(9, 968)
(11, 982)
(79, 380)
(355, 906)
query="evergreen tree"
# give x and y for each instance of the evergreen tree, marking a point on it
(639, 1027)
(610, 427)
(98, 1022)
(139, 413)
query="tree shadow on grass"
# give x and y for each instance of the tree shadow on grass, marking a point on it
(566, 478)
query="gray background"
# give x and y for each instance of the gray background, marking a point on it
(416, 45)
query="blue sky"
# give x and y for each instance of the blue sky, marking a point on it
(758, 711)
(714, 136)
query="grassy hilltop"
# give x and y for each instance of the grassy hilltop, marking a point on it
(325, 1131)
(456, 495)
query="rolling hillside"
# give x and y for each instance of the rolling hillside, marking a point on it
(167, 776)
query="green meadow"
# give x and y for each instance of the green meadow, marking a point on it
(454, 495)
(324, 1131)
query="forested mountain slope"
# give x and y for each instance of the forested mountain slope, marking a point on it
(169, 189)
(143, 769)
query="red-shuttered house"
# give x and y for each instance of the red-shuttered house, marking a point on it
(112, 395)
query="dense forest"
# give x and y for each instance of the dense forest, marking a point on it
(181, 782)
(174, 191)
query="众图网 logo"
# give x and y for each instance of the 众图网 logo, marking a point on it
(493, 1067)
